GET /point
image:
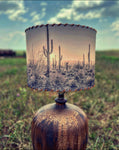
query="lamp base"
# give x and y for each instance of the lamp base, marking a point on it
(59, 126)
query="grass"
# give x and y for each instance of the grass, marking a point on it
(20, 53)
(101, 104)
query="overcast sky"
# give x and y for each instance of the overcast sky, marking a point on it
(16, 16)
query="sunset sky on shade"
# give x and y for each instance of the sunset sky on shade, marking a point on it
(73, 41)
(17, 15)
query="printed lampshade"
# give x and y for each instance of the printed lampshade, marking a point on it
(60, 57)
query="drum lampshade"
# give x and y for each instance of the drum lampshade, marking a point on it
(60, 57)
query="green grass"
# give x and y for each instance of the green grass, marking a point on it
(101, 104)
(12, 62)
(20, 52)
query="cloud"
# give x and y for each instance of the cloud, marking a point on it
(13, 34)
(37, 18)
(111, 9)
(86, 4)
(115, 27)
(78, 10)
(89, 15)
(13, 9)
(75, 12)
(43, 4)
(9, 36)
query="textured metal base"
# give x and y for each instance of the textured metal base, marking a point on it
(59, 127)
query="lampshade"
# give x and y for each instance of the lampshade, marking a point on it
(60, 57)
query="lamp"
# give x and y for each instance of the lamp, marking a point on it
(60, 57)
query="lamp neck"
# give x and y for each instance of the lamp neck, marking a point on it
(60, 98)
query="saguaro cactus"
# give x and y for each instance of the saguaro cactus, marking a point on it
(32, 55)
(55, 62)
(67, 66)
(60, 58)
(78, 65)
(48, 51)
(89, 56)
(83, 60)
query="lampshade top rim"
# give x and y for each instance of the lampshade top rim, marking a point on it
(78, 25)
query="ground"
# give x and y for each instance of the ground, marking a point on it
(18, 103)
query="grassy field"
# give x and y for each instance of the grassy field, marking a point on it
(101, 104)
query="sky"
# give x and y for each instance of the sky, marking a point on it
(16, 16)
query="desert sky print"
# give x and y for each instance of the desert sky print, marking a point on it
(60, 57)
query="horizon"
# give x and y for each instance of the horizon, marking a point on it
(95, 50)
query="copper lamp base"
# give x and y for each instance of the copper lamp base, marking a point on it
(59, 126)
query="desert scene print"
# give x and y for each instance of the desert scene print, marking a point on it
(60, 57)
